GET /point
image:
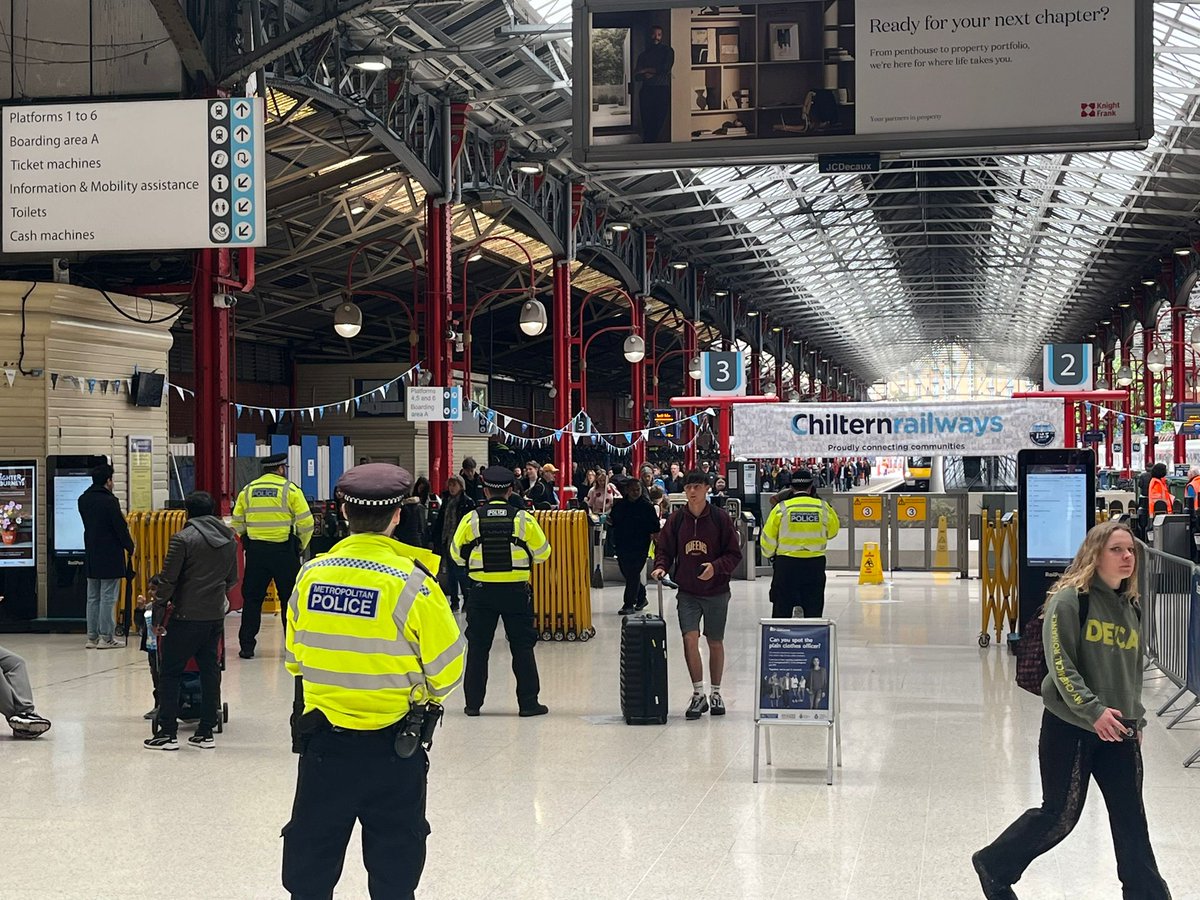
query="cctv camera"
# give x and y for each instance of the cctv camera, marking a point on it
(224, 301)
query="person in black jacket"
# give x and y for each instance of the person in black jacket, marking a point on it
(198, 572)
(472, 480)
(632, 523)
(414, 516)
(456, 503)
(106, 541)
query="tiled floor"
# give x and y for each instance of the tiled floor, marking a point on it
(939, 756)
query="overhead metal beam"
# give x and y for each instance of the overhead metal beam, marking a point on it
(187, 45)
(295, 38)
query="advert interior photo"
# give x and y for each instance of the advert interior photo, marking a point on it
(722, 72)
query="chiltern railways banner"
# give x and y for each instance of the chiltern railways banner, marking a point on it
(977, 428)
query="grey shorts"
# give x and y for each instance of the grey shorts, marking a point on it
(713, 610)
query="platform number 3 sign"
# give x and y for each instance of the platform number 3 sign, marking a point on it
(722, 375)
(1067, 367)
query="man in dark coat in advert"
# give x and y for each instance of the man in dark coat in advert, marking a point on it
(106, 542)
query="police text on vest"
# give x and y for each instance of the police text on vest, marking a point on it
(343, 600)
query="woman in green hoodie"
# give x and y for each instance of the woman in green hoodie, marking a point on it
(1092, 723)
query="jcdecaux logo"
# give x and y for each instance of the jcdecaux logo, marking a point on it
(806, 424)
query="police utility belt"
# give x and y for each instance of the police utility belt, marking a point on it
(414, 730)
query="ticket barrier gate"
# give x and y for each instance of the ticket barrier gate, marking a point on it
(1171, 534)
(915, 533)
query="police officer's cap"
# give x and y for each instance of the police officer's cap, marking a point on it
(498, 478)
(374, 484)
(275, 460)
(802, 478)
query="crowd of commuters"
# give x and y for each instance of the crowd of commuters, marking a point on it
(395, 582)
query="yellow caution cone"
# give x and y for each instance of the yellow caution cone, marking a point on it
(870, 568)
(941, 556)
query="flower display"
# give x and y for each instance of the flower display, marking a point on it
(10, 515)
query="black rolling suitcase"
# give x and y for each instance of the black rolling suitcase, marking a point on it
(644, 668)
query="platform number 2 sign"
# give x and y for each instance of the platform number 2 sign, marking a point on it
(1067, 367)
(722, 375)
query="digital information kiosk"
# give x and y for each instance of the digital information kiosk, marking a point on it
(66, 584)
(797, 682)
(1056, 496)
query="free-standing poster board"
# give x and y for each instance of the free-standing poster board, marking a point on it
(796, 662)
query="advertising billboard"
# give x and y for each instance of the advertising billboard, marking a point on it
(680, 85)
(18, 498)
(974, 428)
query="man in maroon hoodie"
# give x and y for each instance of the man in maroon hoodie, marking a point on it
(701, 543)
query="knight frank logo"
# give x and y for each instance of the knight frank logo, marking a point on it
(1105, 110)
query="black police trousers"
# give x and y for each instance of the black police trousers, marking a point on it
(265, 562)
(348, 776)
(488, 604)
(798, 582)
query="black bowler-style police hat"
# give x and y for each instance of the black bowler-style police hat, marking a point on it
(498, 478)
(374, 484)
(802, 478)
(274, 460)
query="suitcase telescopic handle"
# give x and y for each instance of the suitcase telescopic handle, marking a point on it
(660, 600)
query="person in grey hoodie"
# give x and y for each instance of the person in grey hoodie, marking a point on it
(198, 572)
(1092, 722)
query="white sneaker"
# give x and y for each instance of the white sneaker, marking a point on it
(91, 644)
(107, 644)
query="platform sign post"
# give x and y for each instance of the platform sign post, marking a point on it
(723, 374)
(1067, 367)
(796, 663)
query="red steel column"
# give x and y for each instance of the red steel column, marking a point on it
(1110, 421)
(437, 315)
(637, 375)
(213, 423)
(1178, 352)
(691, 348)
(1127, 425)
(1149, 408)
(560, 340)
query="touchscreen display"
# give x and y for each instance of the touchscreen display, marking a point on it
(1056, 513)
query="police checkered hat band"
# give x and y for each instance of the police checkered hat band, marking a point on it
(275, 460)
(374, 484)
(498, 478)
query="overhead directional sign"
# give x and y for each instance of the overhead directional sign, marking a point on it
(144, 175)
(722, 375)
(434, 404)
(1067, 367)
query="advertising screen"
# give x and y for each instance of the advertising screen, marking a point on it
(68, 527)
(18, 532)
(1056, 513)
(672, 83)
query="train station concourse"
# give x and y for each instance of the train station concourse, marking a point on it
(542, 449)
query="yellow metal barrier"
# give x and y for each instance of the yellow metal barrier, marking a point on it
(151, 531)
(562, 587)
(998, 570)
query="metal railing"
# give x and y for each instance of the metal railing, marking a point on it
(1170, 593)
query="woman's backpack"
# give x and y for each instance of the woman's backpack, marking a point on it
(1031, 656)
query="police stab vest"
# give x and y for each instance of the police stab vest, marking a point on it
(497, 537)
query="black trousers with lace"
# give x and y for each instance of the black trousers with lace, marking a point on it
(1070, 757)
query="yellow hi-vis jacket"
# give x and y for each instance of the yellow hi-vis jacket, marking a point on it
(799, 527)
(366, 627)
(525, 529)
(269, 508)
